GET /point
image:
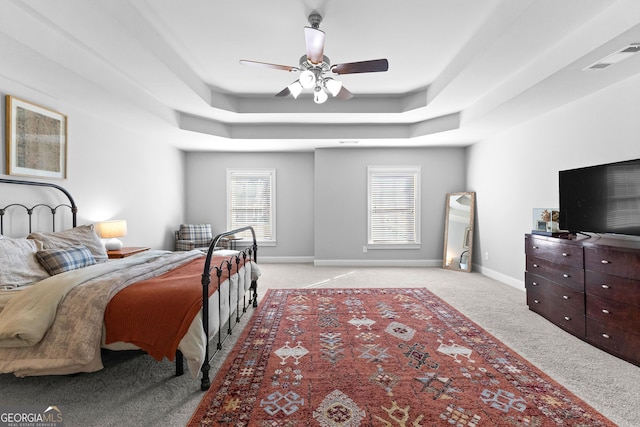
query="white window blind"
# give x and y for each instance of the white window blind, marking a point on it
(394, 205)
(251, 201)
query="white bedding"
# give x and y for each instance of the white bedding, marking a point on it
(55, 326)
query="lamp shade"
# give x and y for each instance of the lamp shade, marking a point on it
(307, 79)
(333, 86)
(319, 95)
(295, 88)
(112, 230)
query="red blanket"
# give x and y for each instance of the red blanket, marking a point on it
(155, 314)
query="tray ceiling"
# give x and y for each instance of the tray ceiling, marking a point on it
(459, 70)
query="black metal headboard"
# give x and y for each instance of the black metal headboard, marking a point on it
(29, 210)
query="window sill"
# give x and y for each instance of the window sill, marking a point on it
(393, 246)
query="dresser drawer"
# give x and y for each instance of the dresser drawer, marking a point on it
(616, 262)
(616, 313)
(562, 306)
(613, 287)
(554, 250)
(563, 274)
(622, 343)
(566, 301)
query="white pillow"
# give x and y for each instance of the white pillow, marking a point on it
(83, 235)
(18, 263)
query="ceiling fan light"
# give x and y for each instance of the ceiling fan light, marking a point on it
(307, 79)
(319, 95)
(333, 86)
(295, 88)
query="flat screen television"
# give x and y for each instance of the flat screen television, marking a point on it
(601, 199)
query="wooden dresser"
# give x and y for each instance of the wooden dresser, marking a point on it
(590, 287)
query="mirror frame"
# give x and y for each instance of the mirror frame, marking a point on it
(468, 231)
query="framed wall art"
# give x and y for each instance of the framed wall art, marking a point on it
(36, 140)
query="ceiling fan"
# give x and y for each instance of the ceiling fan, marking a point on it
(314, 67)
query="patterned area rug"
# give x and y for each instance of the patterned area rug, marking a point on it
(379, 357)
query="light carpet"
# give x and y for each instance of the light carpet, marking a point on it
(135, 390)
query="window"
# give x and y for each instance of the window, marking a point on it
(393, 197)
(251, 201)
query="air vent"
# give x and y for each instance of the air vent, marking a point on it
(615, 57)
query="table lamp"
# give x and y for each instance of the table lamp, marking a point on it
(111, 230)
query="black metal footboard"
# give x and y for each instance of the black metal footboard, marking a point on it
(247, 255)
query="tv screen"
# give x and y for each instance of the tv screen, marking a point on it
(601, 199)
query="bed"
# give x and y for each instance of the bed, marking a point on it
(62, 301)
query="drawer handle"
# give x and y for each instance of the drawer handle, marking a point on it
(604, 261)
(565, 296)
(566, 276)
(567, 318)
(606, 336)
(534, 247)
(565, 254)
(534, 283)
(606, 287)
(536, 301)
(605, 311)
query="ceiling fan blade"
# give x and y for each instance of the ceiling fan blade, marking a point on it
(314, 41)
(344, 94)
(373, 66)
(267, 65)
(284, 92)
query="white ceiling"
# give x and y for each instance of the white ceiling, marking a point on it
(459, 70)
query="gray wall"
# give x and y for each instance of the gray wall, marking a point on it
(601, 128)
(206, 197)
(321, 200)
(341, 202)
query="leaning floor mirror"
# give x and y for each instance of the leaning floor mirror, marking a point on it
(458, 231)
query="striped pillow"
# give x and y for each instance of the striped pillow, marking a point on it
(57, 261)
(200, 234)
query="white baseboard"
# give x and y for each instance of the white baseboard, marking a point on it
(285, 259)
(376, 263)
(518, 284)
(347, 262)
